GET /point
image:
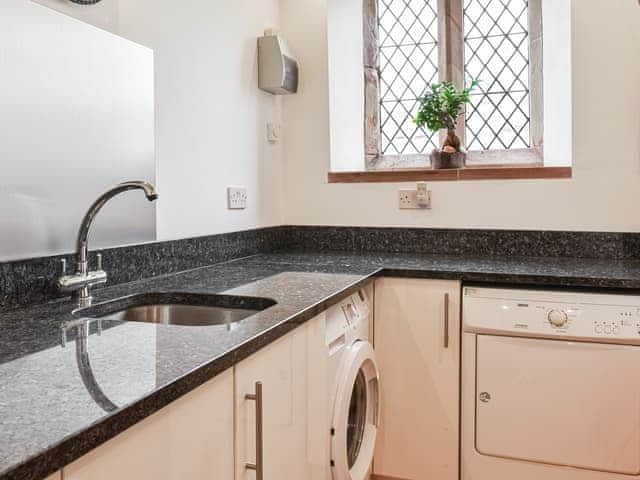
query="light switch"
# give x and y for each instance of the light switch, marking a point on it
(273, 132)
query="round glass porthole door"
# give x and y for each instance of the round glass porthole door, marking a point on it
(355, 420)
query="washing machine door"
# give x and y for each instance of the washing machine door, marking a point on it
(355, 414)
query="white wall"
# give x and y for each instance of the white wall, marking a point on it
(606, 147)
(557, 82)
(210, 127)
(210, 116)
(346, 84)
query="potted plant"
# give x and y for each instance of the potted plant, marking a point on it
(439, 109)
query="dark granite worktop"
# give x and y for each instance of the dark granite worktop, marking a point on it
(49, 418)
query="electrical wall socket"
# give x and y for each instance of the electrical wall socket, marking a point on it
(273, 132)
(409, 200)
(236, 198)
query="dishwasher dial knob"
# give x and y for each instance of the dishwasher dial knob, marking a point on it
(557, 318)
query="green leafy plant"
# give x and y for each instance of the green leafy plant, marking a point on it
(440, 107)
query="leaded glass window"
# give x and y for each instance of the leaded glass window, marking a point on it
(423, 41)
(496, 52)
(408, 38)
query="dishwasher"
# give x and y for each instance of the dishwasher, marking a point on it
(550, 385)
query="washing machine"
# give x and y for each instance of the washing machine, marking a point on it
(354, 387)
(550, 385)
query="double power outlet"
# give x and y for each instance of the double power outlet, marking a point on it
(418, 199)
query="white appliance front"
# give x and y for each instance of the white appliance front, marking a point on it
(557, 402)
(355, 413)
(536, 405)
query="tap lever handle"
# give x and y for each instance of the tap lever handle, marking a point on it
(63, 266)
(99, 261)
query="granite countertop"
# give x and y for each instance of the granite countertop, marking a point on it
(50, 418)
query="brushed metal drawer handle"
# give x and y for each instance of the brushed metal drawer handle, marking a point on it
(259, 465)
(446, 320)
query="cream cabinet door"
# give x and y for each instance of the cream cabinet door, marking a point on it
(417, 344)
(292, 372)
(190, 438)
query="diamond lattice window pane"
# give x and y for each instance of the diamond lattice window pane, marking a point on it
(408, 63)
(496, 41)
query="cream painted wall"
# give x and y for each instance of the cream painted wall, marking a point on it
(606, 141)
(211, 123)
(210, 116)
(346, 86)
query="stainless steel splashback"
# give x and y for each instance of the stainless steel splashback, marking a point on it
(76, 117)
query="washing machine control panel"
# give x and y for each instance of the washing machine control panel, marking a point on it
(556, 314)
(348, 320)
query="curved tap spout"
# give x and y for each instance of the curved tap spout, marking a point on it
(80, 282)
(82, 249)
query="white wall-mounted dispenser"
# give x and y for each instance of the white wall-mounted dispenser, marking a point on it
(277, 68)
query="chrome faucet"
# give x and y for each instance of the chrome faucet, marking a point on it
(78, 284)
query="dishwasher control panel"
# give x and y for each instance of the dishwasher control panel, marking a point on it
(552, 314)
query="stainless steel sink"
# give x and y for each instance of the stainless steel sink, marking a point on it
(195, 310)
(183, 315)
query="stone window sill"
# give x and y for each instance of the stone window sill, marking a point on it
(488, 165)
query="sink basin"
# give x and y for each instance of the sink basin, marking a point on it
(183, 315)
(179, 309)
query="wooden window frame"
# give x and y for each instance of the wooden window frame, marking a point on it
(451, 68)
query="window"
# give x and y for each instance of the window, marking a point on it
(408, 43)
(412, 43)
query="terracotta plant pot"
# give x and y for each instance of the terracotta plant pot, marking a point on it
(444, 160)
